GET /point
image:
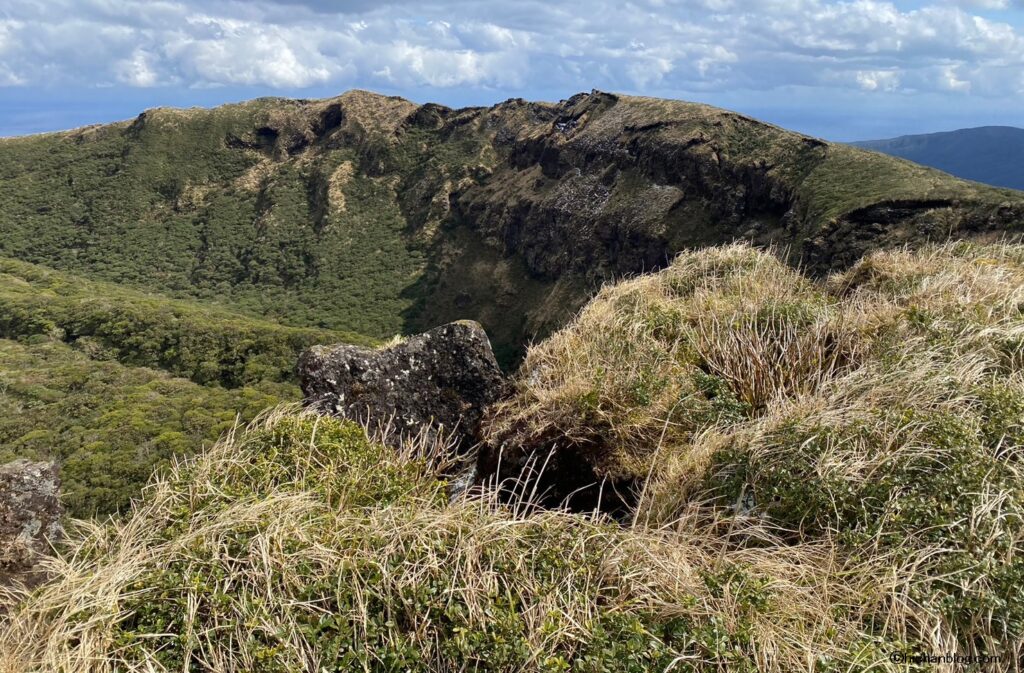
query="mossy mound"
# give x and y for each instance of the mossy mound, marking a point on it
(881, 409)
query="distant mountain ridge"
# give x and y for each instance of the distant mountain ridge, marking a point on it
(993, 155)
(375, 215)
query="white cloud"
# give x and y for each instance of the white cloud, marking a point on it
(711, 45)
(951, 80)
(878, 80)
(982, 4)
(137, 70)
(232, 52)
(414, 65)
(6, 40)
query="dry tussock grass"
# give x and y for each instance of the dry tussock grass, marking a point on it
(241, 558)
(832, 404)
(829, 473)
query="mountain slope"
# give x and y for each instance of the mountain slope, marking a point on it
(989, 154)
(206, 343)
(213, 245)
(826, 476)
(378, 216)
(112, 383)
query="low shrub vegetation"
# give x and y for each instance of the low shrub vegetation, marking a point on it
(110, 426)
(112, 382)
(205, 343)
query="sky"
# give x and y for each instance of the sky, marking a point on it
(839, 70)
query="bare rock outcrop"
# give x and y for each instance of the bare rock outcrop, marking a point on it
(441, 380)
(30, 516)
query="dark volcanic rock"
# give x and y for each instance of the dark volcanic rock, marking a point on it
(444, 378)
(30, 513)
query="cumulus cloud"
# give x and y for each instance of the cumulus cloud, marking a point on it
(136, 70)
(220, 51)
(982, 4)
(875, 80)
(711, 45)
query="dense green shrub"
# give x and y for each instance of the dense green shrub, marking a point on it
(110, 426)
(201, 342)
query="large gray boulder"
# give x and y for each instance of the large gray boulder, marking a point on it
(30, 516)
(440, 380)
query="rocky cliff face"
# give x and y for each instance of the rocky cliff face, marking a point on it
(30, 515)
(603, 186)
(612, 185)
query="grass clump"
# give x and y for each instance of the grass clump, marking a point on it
(300, 544)
(878, 411)
(712, 340)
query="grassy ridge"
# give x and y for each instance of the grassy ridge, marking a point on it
(828, 180)
(819, 476)
(882, 411)
(302, 545)
(213, 205)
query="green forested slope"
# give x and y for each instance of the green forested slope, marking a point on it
(112, 382)
(367, 213)
(194, 204)
(202, 342)
(108, 425)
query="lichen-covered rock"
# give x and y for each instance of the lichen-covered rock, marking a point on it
(30, 514)
(440, 380)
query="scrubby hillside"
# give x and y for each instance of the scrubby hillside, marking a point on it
(374, 215)
(802, 475)
(112, 383)
(108, 426)
(207, 343)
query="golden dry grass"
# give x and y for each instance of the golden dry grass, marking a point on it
(831, 407)
(241, 557)
(827, 473)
